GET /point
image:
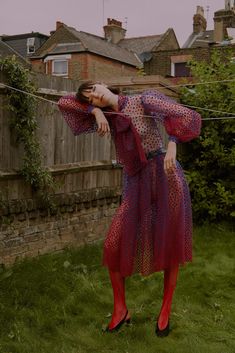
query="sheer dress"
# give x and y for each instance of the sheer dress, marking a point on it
(152, 228)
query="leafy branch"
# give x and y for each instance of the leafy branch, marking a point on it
(23, 123)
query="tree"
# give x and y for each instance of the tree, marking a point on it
(211, 157)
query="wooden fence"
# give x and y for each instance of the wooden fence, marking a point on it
(58, 144)
(89, 184)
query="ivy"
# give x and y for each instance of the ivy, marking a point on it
(24, 125)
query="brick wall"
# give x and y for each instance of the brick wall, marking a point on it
(84, 66)
(160, 64)
(27, 230)
(169, 41)
(82, 213)
(38, 66)
(104, 68)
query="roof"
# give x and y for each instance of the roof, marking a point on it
(101, 46)
(6, 50)
(141, 44)
(86, 42)
(6, 37)
(62, 48)
(201, 40)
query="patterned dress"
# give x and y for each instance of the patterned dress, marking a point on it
(152, 228)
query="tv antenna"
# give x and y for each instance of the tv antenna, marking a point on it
(125, 22)
(207, 12)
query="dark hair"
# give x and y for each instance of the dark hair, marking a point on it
(87, 86)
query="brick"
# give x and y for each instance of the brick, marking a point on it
(22, 217)
(33, 214)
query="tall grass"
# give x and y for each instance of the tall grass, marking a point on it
(59, 303)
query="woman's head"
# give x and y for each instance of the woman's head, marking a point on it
(96, 94)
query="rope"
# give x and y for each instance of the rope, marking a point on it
(28, 93)
(187, 84)
(147, 116)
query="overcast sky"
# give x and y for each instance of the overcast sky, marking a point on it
(139, 17)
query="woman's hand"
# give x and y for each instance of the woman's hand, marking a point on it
(103, 125)
(170, 158)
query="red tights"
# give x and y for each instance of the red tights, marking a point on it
(119, 301)
(170, 280)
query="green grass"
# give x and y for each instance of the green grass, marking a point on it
(59, 303)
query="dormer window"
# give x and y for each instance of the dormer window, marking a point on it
(30, 45)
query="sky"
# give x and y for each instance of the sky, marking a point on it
(139, 17)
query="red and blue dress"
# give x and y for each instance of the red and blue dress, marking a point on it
(152, 228)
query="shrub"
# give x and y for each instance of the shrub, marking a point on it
(210, 159)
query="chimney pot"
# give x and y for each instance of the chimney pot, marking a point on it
(199, 21)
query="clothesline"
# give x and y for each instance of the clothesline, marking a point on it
(187, 84)
(148, 116)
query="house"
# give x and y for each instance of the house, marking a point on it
(79, 55)
(25, 44)
(199, 45)
(223, 20)
(7, 51)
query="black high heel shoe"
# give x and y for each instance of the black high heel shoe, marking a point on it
(119, 325)
(163, 333)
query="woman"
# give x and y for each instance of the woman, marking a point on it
(152, 229)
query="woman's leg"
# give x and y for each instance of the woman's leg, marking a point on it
(170, 280)
(119, 301)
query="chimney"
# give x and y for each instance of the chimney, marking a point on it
(199, 21)
(59, 24)
(227, 4)
(223, 19)
(113, 31)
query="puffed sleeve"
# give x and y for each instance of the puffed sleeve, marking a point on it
(77, 115)
(181, 124)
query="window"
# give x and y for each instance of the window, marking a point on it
(30, 45)
(179, 66)
(57, 65)
(60, 67)
(181, 70)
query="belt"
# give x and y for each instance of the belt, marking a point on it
(152, 154)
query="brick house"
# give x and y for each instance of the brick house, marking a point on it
(79, 55)
(199, 45)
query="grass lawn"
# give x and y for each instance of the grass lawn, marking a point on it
(59, 303)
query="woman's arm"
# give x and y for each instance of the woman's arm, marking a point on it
(102, 123)
(77, 115)
(82, 117)
(181, 124)
(170, 157)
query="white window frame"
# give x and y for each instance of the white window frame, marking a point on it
(59, 61)
(56, 58)
(31, 44)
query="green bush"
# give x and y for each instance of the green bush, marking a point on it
(210, 159)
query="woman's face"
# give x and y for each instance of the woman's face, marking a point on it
(99, 95)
